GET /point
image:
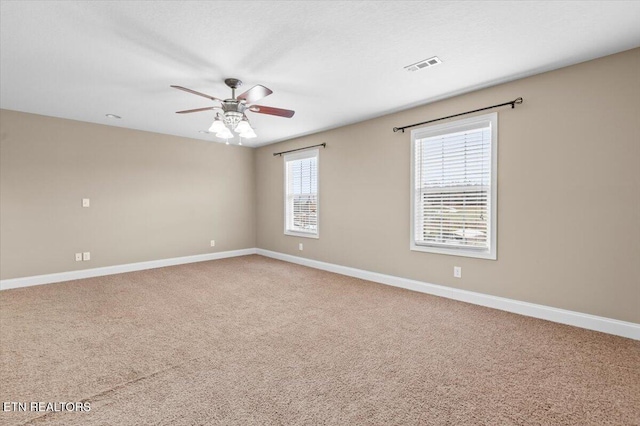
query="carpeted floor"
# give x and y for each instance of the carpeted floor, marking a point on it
(252, 340)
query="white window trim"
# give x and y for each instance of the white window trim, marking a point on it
(434, 130)
(299, 156)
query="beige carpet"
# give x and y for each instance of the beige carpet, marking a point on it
(252, 340)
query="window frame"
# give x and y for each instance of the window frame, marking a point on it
(492, 205)
(301, 155)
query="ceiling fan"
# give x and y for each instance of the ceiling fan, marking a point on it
(231, 114)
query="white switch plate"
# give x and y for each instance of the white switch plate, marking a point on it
(457, 271)
(86, 202)
(86, 255)
(300, 247)
(213, 243)
(78, 257)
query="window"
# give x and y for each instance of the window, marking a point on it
(301, 194)
(454, 182)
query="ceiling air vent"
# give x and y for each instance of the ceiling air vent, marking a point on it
(423, 64)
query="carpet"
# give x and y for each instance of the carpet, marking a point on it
(252, 340)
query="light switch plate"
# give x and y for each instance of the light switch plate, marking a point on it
(86, 202)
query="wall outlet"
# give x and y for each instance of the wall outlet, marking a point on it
(86, 255)
(78, 257)
(457, 271)
(213, 243)
(300, 247)
(86, 202)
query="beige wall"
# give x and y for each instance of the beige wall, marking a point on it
(568, 193)
(152, 196)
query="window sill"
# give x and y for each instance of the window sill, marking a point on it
(489, 255)
(301, 234)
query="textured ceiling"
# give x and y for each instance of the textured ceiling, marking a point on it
(333, 62)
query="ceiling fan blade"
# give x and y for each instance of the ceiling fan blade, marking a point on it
(260, 109)
(186, 111)
(196, 93)
(255, 94)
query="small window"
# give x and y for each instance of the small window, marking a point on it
(454, 187)
(301, 194)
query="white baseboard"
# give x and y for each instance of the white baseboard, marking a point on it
(118, 269)
(562, 316)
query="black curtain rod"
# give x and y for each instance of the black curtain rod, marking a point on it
(512, 103)
(299, 149)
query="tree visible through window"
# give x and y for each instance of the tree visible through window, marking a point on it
(454, 187)
(301, 198)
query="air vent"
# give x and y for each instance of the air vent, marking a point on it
(424, 64)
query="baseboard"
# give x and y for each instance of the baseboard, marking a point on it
(562, 316)
(118, 269)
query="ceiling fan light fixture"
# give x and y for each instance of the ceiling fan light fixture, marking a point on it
(217, 126)
(232, 118)
(224, 134)
(243, 126)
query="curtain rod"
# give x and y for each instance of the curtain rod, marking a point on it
(512, 103)
(299, 149)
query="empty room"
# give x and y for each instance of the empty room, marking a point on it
(319, 213)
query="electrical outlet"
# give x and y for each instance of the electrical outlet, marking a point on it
(86, 202)
(78, 257)
(86, 255)
(457, 271)
(213, 243)
(300, 247)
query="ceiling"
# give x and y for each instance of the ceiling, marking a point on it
(333, 62)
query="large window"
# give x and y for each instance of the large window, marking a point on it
(454, 187)
(301, 194)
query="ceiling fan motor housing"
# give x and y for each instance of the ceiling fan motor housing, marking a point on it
(233, 112)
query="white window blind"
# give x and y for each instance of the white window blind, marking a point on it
(454, 187)
(301, 198)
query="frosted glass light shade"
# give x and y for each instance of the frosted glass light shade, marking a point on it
(217, 126)
(224, 133)
(243, 127)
